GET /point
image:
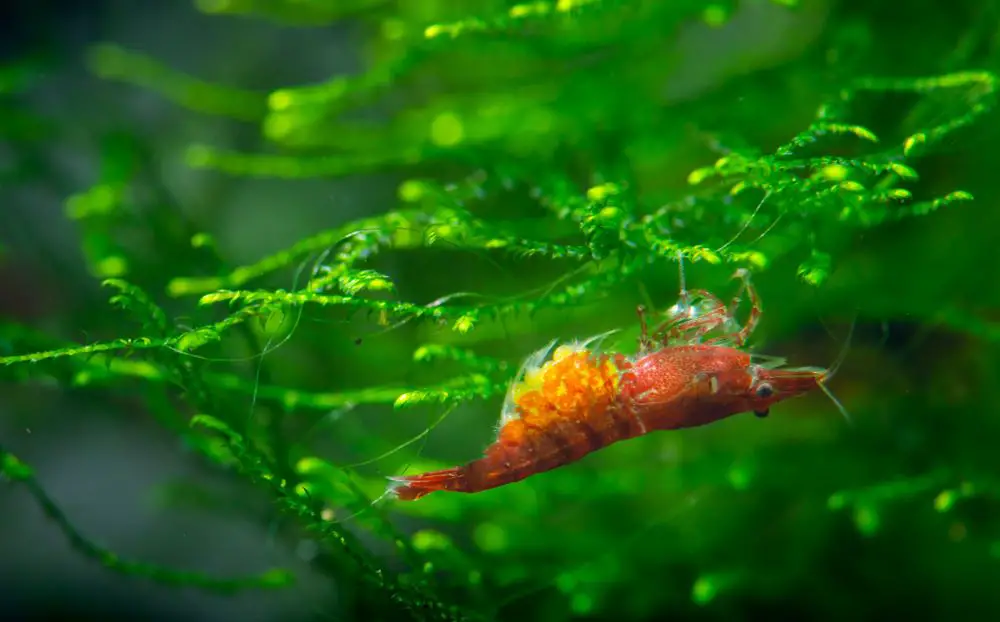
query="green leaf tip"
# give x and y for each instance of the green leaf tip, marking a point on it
(704, 590)
(99, 201)
(447, 129)
(195, 339)
(14, 469)
(212, 423)
(464, 324)
(413, 398)
(312, 464)
(183, 286)
(945, 500)
(816, 269)
(431, 540)
(202, 240)
(276, 577)
(913, 142)
(603, 192)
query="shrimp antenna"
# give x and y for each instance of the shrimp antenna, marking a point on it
(836, 402)
(833, 370)
(835, 367)
(747, 224)
(597, 340)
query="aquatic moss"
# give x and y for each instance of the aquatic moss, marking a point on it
(537, 135)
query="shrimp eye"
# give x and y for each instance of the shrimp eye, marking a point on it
(765, 390)
(762, 413)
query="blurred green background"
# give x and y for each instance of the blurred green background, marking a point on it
(168, 144)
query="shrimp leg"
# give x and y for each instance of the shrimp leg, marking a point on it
(688, 330)
(715, 315)
(692, 329)
(682, 325)
(755, 308)
(740, 337)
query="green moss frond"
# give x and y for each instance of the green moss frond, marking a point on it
(136, 301)
(578, 146)
(401, 229)
(435, 352)
(116, 63)
(460, 389)
(22, 474)
(292, 12)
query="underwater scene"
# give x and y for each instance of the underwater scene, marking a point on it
(448, 310)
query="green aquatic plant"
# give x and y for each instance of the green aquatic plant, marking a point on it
(537, 139)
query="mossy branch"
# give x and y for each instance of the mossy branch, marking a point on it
(293, 12)
(567, 132)
(116, 63)
(295, 500)
(21, 473)
(186, 341)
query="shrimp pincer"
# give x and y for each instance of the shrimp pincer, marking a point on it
(581, 400)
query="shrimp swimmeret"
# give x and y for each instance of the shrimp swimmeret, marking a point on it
(578, 400)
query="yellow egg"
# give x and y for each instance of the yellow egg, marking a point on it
(562, 352)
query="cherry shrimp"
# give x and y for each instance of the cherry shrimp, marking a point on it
(562, 407)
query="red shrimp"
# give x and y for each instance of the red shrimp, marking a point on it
(581, 401)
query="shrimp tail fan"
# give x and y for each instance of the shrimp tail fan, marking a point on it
(414, 487)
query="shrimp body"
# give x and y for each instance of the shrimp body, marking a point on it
(579, 401)
(555, 414)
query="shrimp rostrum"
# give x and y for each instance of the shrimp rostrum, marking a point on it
(571, 400)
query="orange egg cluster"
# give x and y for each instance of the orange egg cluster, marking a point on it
(574, 384)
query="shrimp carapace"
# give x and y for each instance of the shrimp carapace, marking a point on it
(560, 408)
(691, 385)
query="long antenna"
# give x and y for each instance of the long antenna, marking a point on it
(833, 370)
(843, 352)
(747, 224)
